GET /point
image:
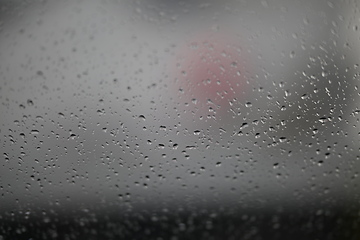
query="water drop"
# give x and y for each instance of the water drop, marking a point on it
(30, 102)
(34, 132)
(244, 125)
(292, 54)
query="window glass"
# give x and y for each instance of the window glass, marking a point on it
(174, 119)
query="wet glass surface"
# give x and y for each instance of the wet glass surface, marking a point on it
(179, 119)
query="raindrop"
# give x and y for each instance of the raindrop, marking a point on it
(34, 132)
(248, 104)
(322, 119)
(244, 125)
(30, 102)
(72, 136)
(304, 96)
(292, 54)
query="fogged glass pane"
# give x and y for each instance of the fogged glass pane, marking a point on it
(156, 119)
